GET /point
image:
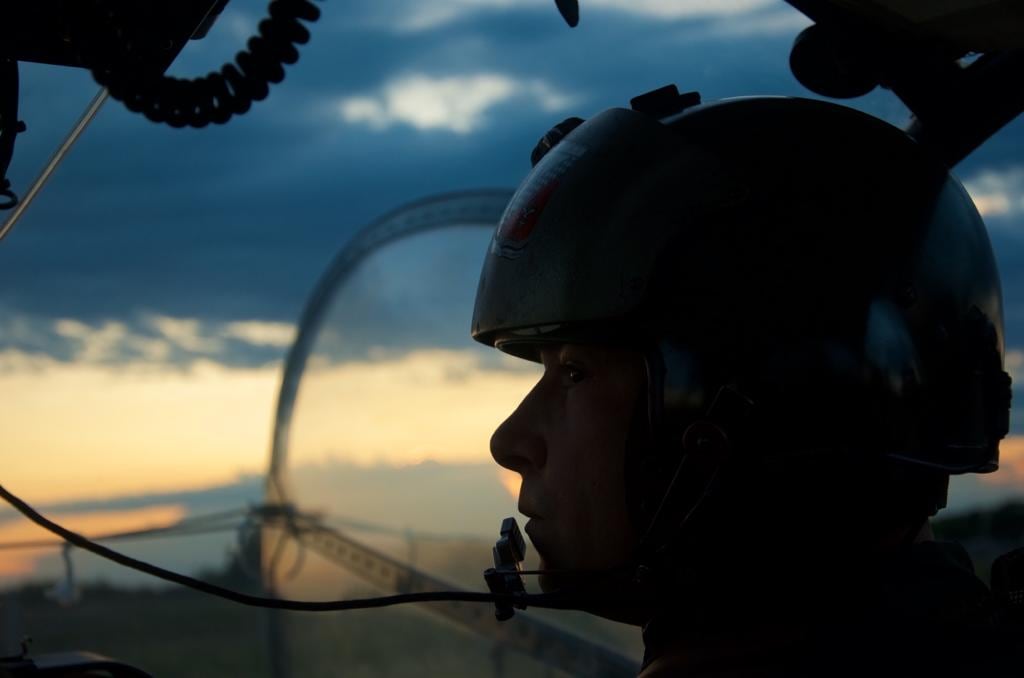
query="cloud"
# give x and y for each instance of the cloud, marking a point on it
(679, 9)
(424, 16)
(148, 342)
(225, 254)
(20, 562)
(435, 404)
(261, 333)
(110, 342)
(456, 103)
(186, 333)
(1014, 361)
(781, 22)
(215, 339)
(81, 429)
(237, 23)
(998, 193)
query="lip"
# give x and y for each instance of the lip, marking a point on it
(535, 533)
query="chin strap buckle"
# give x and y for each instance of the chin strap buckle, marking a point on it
(506, 578)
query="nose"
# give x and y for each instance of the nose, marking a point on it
(518, 443)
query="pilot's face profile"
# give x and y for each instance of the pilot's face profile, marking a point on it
(567, 439)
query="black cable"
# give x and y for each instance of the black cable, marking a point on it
(546, 600)
(108, 52)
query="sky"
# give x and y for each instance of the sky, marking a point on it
(149, 296)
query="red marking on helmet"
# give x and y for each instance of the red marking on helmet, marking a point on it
(521, 219)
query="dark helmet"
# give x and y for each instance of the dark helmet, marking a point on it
(808, 285)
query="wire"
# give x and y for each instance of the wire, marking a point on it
(245, 599)
(217, 97)
(58, 156)
(560, 600)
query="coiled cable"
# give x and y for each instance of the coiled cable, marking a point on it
(110, 53)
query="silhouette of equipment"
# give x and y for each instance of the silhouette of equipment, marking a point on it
(128, 45)
(506, 578)
(216, 97)
(570, 11)
(925, 57)
(957, 103)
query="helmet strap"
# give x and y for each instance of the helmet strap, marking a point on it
(707, 446)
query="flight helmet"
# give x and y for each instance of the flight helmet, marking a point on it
(812, 291)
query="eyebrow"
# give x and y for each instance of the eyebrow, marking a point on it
(576, 352)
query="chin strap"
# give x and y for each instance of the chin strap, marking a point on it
(590, 589)
(707, 447)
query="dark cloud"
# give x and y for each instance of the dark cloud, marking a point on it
(144, 341)
(238, 222)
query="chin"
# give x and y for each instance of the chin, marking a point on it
(636, 615)
(547, 582)
(560, 577)
(555, 580)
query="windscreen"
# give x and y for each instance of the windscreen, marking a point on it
(384, 466)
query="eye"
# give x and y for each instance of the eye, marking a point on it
(573, 374)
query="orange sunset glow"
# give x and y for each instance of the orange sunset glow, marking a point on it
(1011, 464)
(80, 430)
(86, 430)
(434, 404)
(15, 562)
(76, 430)
(89, 430)
(511, 481)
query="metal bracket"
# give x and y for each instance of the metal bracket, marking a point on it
(506, 578)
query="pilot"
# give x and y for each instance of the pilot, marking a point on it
(771, 329)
